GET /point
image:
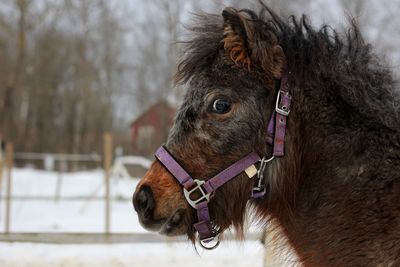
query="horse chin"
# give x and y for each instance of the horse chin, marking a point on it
(174, 225)
(151, 224)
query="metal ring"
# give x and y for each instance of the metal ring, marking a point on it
(210, 243)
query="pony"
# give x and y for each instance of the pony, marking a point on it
(334, 194)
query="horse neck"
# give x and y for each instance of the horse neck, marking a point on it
(327, 165)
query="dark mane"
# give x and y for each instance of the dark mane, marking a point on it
(341, 63)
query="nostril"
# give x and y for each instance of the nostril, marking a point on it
(143, 200)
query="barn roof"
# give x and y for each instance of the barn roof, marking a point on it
(153, 108)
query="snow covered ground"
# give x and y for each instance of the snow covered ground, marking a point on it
(69, 216)
(88, 216)
(248, 254)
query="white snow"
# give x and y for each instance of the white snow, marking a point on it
(69, 216)
(134, 160)
(88, 216)
(247, 254)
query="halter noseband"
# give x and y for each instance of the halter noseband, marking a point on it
(208, 233)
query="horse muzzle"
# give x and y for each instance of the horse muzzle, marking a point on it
(144, 204)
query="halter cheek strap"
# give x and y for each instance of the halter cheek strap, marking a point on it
(276, 131)
(204, 226)
(204, 190)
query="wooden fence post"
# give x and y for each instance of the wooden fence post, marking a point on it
(108, 153)
(9, 163)
(2, 160)
(62, 168)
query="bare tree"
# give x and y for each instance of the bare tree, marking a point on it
(72, 69)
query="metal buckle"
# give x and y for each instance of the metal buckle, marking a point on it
(283, 111)
(204, 196)
(210, 243)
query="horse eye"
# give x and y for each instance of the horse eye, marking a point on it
(221, 106)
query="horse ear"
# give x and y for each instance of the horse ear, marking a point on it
(235, 37)
(247, 43)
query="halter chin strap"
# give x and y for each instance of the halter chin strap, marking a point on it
(199, 192)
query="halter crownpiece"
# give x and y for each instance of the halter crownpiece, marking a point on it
(208, 233)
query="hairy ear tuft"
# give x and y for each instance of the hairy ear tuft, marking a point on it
(247, 42)
(235, 37)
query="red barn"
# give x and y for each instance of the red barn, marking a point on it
(151, 128)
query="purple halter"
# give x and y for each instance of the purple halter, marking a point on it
(208, 233)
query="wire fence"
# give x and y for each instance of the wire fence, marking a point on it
(57, 167)
(98, 194)
(8, 159)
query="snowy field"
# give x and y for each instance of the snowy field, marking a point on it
(247, 254)
(70, 216)
(88, 216)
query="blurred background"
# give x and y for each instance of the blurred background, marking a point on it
(86, 95)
